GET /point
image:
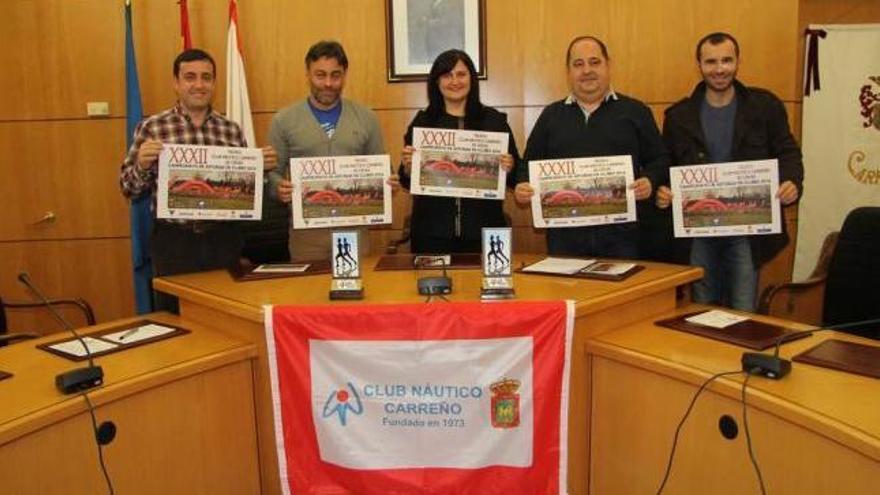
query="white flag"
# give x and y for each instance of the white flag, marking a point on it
(841, 136)
(238, 105)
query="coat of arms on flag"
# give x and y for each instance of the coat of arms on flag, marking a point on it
(439, 398)
(505, 403)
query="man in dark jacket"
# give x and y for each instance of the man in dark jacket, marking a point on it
(595, 121)
(725, 121)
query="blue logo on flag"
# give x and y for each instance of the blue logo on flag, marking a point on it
(341, 401)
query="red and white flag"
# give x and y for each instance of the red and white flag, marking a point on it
(238, 105)
(185, 35)
(421, 398)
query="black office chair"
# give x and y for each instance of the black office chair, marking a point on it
(7, 338)
(266, 241)
(849, 289)
(852, 292)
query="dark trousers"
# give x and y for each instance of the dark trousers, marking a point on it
(191, 247)
(611, 241)
(443, 245)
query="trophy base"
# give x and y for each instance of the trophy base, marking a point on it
(346, 289)
(494, 288)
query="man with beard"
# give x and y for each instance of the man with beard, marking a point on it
(323, 124)
(725, 121)
(595, 121)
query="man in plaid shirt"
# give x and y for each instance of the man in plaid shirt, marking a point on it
(185, 246)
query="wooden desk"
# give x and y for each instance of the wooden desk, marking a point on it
(215, 300)
(183, 408)
(814, 431)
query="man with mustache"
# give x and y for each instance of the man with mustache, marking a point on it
(323, 124)
(182, 246)
(594, 121)
(725, 121)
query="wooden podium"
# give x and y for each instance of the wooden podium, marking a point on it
(183, 408)
(216, 301)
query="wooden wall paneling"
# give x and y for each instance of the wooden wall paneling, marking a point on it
(59, 56)
(68, 167)
(97, 270)
(157, 41)
(647, 62)
(505, 80)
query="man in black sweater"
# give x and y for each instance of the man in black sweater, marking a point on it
(595, 121)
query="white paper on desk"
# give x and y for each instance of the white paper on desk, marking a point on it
(282, 268)
(143, 332)
(75, 347)
(431, 261)
(716, 319)
(561, 266)
(608, 268)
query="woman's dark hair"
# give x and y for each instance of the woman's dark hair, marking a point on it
(443, 64)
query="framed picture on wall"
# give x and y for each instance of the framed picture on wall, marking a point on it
(419, 30)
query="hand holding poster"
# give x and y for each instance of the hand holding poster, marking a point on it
(209, 183)
(457, 163)
(338, 191)
(720, 199)
(575, 192)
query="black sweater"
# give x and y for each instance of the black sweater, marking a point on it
(622, 126)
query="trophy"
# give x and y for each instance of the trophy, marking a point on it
(497, 280)
(346, 266)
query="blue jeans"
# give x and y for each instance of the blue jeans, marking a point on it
(730, 278)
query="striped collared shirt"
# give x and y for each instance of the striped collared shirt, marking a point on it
(572, 100)
(173, 126)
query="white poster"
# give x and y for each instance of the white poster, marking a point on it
(720, 199)
(575, 192)
(337, 191)
(209, 183)
(456, 163)
(841, 137)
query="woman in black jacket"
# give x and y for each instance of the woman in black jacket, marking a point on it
(452, 225)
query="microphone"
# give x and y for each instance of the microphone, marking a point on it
(775, 367)
(75, 380)
(435, 286)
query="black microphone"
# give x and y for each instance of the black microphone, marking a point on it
(75, 380)
(776, 367)
(434, 286)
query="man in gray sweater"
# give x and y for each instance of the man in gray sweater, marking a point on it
(323, 124)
